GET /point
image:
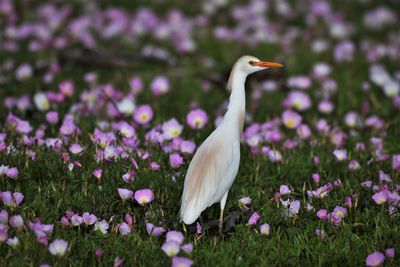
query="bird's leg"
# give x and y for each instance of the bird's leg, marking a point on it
(221, 215)
(184, 228)
(221, 220)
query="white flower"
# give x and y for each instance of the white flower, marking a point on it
(378, 75)
(58, 247)
(13, 242)
(70, 166)
(391, 88)
(23, 72)
(126, 106)
(101, 226)
(254, 140)
(3, 169)
(109, 153)
(340, 154)
(275, 156)
(41, 101)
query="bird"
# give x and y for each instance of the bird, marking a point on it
(215, 164)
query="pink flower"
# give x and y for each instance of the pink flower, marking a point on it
(187, 147)
(67, 88)
(340, 154)
(129, 177)
(23, 72)
(99, 253)
(16, 221)
(315, 178)
(3, 235)
(298, 100)
(316, 161)
(76, 220)
(264, 229)
(160, 85)
(98, 173)
(65, 221)
(197, 119)
(291, 119)
(293, 209)
(301, 82)
(366, 184)
(126, 130)
(344, 51)
(12, 173)
(380, 197)
(389, 252)
(309, 207)
(354, 165)
(396, 162)
(188, 248)
(325, 106)
(118, 262)
(348, 201)
(352, 119)
(322, 214)
(375, 259)
(154, 166)
(253, 219)
(124, 228)
(143, 196)
(245, 201)
(339, 212)
(136, 85)
(153, 230)
(11, 200)
(181, 262)
(175, 236)
(175, 160)
(143, 114)
(304, 131)
(129, 219)
(125, 194)
(171, 129)
(3, 217)
(384, 177)
(198, 228)
(75, 149)
(89, 218)
(52, 117)
(171, 248)
(284, 190)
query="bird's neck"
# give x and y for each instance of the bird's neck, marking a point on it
(234, 117)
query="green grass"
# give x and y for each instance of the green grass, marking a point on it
(50, 189)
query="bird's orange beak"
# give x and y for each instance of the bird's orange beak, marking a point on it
(266, 64)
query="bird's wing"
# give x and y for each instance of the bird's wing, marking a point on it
(207, 169)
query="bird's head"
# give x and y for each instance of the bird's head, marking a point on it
(247, 65)
(250, 64)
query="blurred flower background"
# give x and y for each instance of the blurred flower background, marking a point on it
(103, 104)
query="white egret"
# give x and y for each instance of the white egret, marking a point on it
(216, 162)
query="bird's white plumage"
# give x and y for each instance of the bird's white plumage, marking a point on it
(210, 174)
(216, 162)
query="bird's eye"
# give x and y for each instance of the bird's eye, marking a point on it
(251, 62)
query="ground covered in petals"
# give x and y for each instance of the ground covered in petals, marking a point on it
(102, 108)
